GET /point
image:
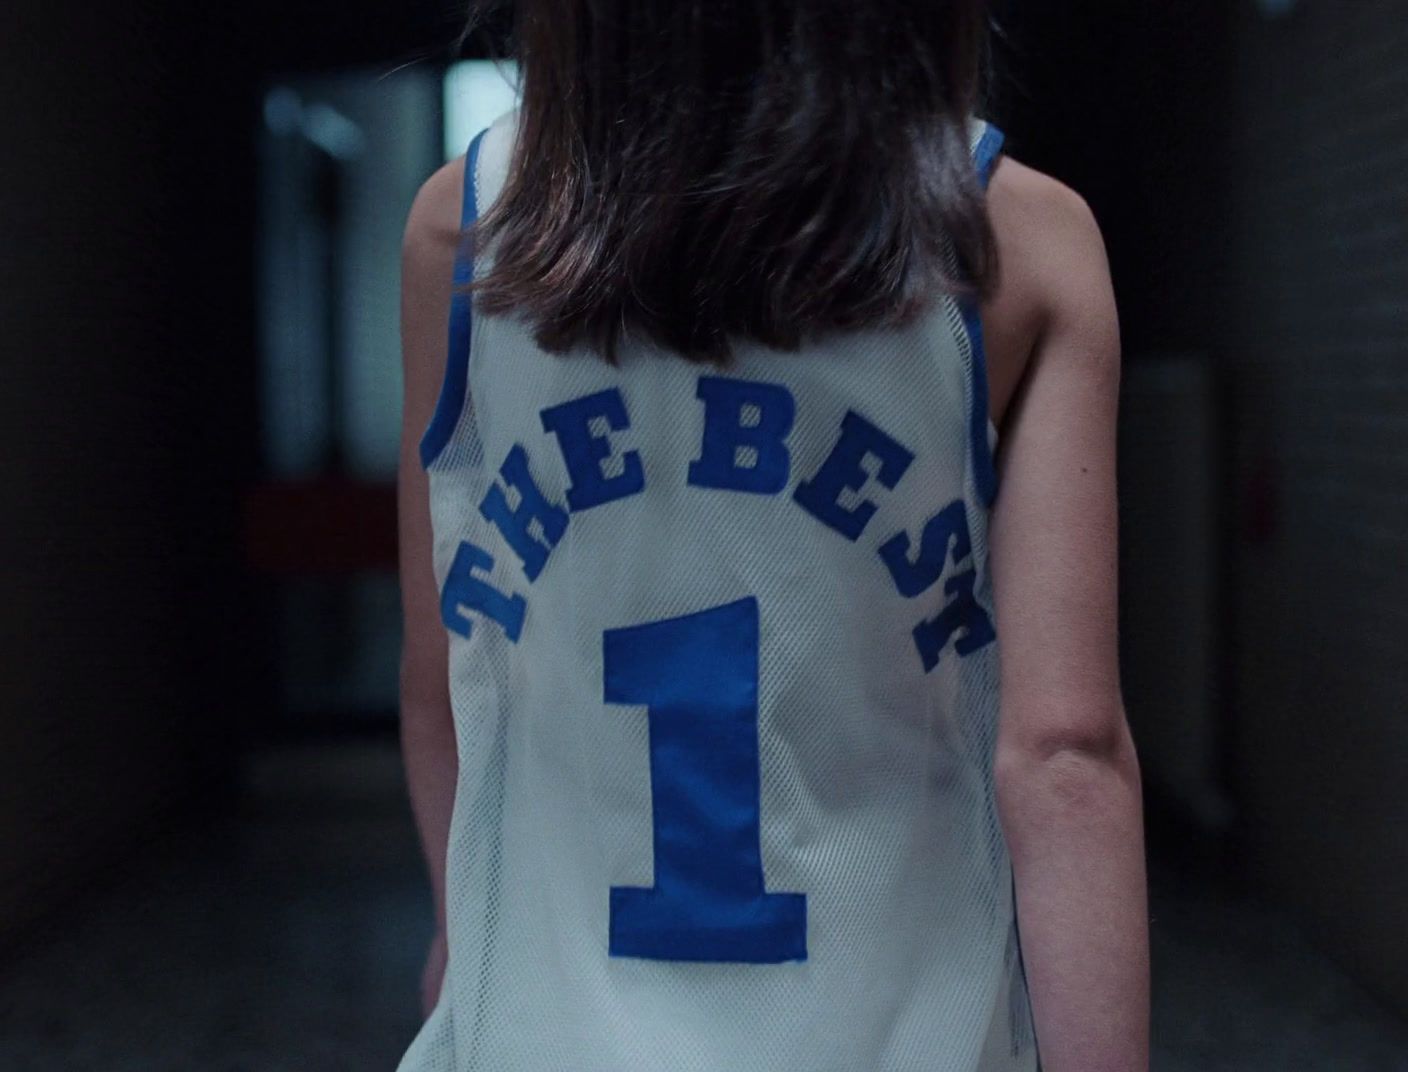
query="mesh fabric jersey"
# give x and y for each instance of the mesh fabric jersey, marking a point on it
(723, 667)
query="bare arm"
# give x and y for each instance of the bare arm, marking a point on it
(1068, 782)
(427, 728)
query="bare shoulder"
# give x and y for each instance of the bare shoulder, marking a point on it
(1054, 275)
(1042, 209)
(1050, 240)
(428, 247)
(433, 223)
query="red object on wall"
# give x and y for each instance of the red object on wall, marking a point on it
(320, 527)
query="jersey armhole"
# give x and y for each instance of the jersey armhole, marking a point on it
(982, 434)
(455, 385)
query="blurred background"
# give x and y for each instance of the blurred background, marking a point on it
(207, 858)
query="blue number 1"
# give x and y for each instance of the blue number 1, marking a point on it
(698, 678)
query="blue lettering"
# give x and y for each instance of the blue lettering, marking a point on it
(697, 677)
(740, 453)
(532, 506)
(949, 525)
(584, 449)
(842, 470)
(962, 613)
(463, 590)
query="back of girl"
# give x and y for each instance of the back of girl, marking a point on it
(708, 559)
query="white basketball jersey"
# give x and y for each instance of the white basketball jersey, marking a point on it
(724, 672)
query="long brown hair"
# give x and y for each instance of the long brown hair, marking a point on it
(691, 171)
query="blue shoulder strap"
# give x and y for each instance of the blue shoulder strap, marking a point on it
(456, 382)
(986, 154)
(985, 471)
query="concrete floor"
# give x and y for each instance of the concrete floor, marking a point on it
(289, 939)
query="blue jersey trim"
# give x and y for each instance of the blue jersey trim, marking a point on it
(985, 470)
(987, 152)
(452, 391)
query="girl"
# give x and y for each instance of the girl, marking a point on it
(710, 542)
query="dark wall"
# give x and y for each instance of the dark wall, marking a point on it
(116, 448)
(1317, 343)
(1125, 102)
